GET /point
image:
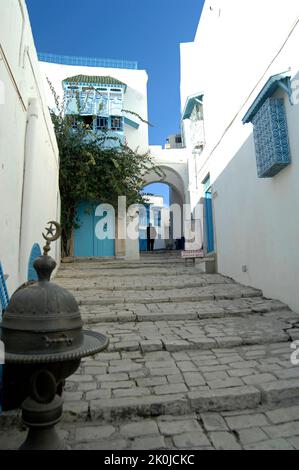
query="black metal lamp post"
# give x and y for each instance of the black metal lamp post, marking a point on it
(44, 343)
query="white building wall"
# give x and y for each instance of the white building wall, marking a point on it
(29, 194)
(238, 46)
(135, 98)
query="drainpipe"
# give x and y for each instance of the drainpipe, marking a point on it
(28, 195)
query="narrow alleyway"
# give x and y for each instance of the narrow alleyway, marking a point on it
(195, 361)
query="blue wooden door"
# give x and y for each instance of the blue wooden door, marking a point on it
(144, 220)
(208, 208)
(95, 235)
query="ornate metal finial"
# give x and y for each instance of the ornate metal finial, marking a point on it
(53, 232)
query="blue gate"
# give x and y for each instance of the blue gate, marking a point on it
(4, 299)
(208, 209)
(95, 234)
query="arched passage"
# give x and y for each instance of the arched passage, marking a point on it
(172, 218)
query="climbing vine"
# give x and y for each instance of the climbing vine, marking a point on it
(93, 168)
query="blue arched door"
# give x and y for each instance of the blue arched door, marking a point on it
(208, 208)
(95, 232)
(35, 253)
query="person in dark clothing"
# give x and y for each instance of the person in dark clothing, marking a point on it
(151, 235)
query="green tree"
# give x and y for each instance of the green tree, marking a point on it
(91, 169)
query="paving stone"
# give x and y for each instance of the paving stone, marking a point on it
(251, 435)
(213, 422)
(175, 379)
(240, 372)
(194, 379)
(210, 376)
(143, 428)
(294, 441)
(72, 396)
(169, 428)
(151, 345)
(95, 370)
(247, 421)
(125, 368)
(75, 410)
(280, 390)
(188, 440)
(97, 394)
(93, 433)
(151, 381)
(223, 383)
(112, 409)
(176, 345)
(283, 430)
(111, 377)
(87, 386)
(203, 343)
(167, 389)
(149, 443)
(258, 379)
(118, 444)
(80, 378)
(283, 415)
(131, 392)
(223, 440)
(187, 366)
(271, 444)
(122, 384)
(225, 399)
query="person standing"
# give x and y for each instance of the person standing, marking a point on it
(151, 234)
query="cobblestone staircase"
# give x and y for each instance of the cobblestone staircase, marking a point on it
(194, 361)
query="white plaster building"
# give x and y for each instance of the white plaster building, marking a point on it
(134, 93)
(245, 58)
(29, 194)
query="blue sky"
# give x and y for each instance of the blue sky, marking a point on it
(159, 189)
(148, 31)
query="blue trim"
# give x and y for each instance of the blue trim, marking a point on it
(131, 123)
(35, 253)
(4, 298)
(281, 80)
(190, 103)
(87, 61)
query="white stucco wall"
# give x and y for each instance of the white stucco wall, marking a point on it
(29, 195)
(238, 46)
(135, 98)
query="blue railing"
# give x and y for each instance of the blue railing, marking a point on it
(87, 61)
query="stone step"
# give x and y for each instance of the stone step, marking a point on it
(217, 292)
(122, 385)
(89, 273)
(205, 334)
(136, 284)
(261, 428)
(180, 311)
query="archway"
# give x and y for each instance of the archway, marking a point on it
(167, 219)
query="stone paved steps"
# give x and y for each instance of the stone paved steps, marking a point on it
(81, 273)
(179, 311)
(132, 283)
(119, 385)
(222, 291)
(175, 335)
(206, 365)
(262, 428)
